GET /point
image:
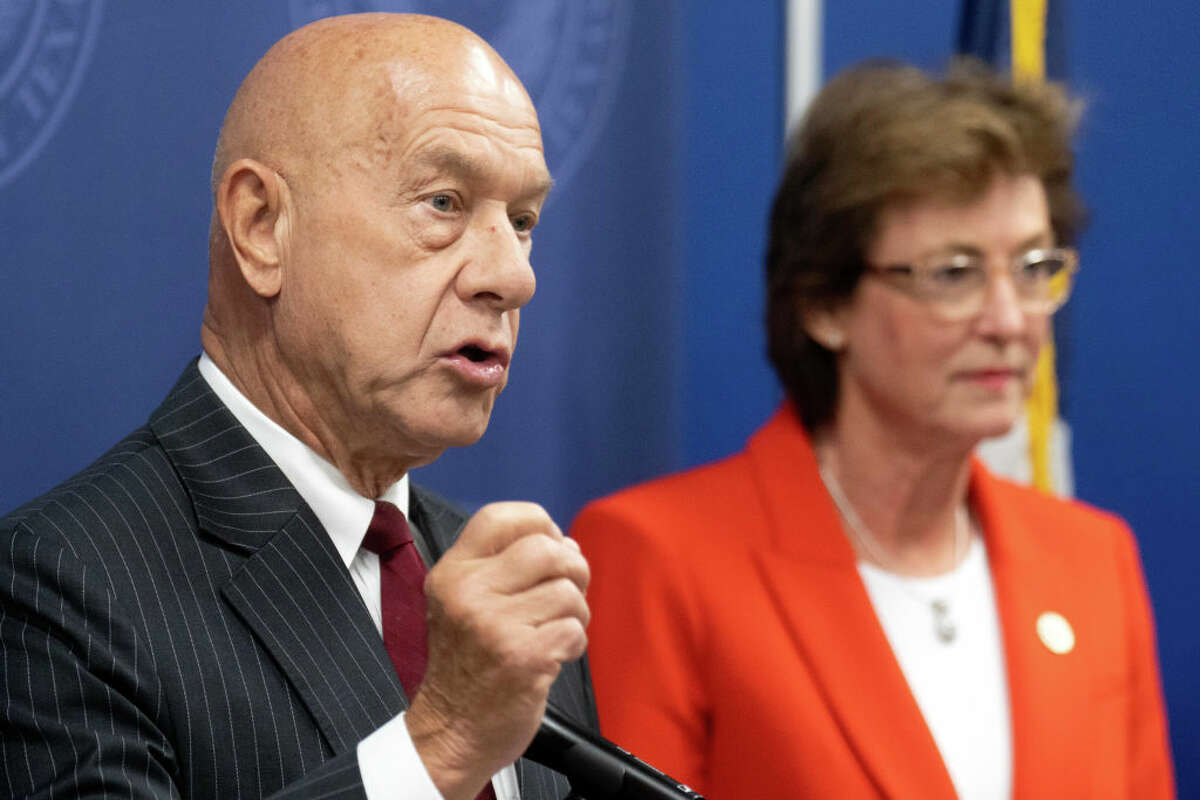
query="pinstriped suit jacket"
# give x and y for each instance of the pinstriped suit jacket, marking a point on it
(176, 622)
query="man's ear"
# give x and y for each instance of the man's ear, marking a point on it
(251, 202)
(825, 326)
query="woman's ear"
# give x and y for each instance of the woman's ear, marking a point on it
(826, 328)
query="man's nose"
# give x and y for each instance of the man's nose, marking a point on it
(498, 270)
(1002, 314)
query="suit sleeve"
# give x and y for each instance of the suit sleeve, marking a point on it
(645, 646)
(82, 709)
(83, 714)
(1150, 772)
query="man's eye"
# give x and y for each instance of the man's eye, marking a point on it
(524, 223)
(442, 202)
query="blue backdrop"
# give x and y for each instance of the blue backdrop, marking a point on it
(642, 351)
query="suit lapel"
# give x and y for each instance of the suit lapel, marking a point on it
(809, 568)
(1044, 687)
(437, 520)
(240, 497)
(298, 599)
(292, 591)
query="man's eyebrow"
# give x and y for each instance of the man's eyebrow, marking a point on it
(543, 186)
(468, 168)
(449, 160)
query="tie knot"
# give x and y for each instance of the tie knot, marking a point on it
(388, 529)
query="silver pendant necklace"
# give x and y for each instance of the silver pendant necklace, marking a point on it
(944, 626)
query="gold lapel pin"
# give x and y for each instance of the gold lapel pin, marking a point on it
(1055, 632)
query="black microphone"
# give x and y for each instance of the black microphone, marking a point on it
(597, 768)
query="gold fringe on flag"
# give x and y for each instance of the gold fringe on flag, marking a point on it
(1041, 409)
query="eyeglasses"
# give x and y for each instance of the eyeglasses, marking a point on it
(955, 285)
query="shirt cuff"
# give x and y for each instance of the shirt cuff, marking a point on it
(390, 766)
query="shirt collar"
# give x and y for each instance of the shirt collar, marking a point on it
(343, 512)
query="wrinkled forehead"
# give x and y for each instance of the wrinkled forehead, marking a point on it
(470, 75)
(395, 98)
(473, 69)
(483, 128)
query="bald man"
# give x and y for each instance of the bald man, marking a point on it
(197, 614)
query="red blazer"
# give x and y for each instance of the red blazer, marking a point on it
(733, 644)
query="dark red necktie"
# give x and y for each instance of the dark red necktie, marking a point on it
(402, 599)
(402, 593)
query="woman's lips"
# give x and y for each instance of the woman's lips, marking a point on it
(993, 378)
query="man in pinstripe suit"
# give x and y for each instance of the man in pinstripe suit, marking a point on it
(194, 615)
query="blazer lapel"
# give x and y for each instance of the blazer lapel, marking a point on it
(1044, 687)
(293, 592)
(809, 567)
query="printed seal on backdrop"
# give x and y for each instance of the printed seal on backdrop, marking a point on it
(45, 46)
(568, 53)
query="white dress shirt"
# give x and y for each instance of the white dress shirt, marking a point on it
(387, 759)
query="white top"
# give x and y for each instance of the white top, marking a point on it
(960, 686)
(387, 759)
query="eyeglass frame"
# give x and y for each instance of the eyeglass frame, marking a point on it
(921, 270)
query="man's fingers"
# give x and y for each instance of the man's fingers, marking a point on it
(534, 559)
(563, 639)
(554, 599)
(497, 525)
